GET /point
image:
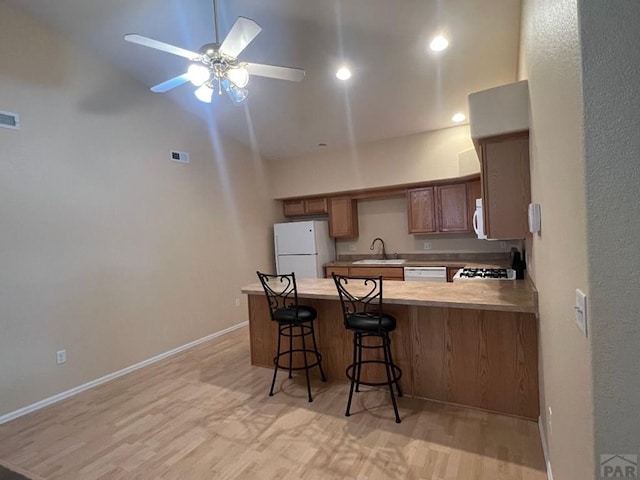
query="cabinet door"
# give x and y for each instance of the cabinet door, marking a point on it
(343, 217)
(506, 186)
(337, 270)
(292, 208)
(315, 206)
(452, 208)
(421, 210)
(387, 273)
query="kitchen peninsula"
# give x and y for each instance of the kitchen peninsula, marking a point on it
(466, 343)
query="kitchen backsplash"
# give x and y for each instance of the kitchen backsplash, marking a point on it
(387, 218)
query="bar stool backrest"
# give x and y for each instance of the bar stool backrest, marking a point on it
(364, 295)
(281, 291)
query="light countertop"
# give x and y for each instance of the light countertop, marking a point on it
(500, 295)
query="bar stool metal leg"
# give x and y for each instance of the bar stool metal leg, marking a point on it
(358, 369)
(390, 377)
(353, 375)
(306, 364)
(315, 348)
(275, 362)
(290, 349)
(396, 380)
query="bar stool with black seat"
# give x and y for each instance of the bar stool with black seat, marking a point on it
(361, 300)
(282, 296)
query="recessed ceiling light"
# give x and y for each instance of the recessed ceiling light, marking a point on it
(458, 117)
(439, 43)
(343, 73)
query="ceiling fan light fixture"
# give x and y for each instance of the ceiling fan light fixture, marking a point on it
(439, 43)
(239, 76)
(343, 73)
(236, 94)
(198, 74)
(204, 93)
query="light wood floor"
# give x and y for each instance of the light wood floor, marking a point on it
(205, 414)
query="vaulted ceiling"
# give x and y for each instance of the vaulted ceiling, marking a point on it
(399, 86)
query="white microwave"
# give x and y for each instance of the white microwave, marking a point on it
(478, 220)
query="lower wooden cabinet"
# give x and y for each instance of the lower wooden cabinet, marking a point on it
(329, 271)
(343, 217)
(387, 273)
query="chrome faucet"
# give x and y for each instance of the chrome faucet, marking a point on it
(373, 244)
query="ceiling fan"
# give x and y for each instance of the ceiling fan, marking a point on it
(217, 65)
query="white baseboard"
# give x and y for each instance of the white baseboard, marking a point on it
(545, 449)
(99, 381)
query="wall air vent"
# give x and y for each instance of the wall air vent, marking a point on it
(9, 120)
(180, 157)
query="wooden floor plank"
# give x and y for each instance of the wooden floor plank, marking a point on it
(205, 414)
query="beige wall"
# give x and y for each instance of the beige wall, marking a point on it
(387, 218)
(611, 69)
(108, 249)
(414, 158)
(551, 61)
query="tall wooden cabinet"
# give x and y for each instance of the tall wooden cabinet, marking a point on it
(506, 185)
(440, 208)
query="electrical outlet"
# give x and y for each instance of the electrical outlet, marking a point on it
(503, 244)
(61, 357)
(353, 247)
(549, 423)
(237, 302)
(426, 246)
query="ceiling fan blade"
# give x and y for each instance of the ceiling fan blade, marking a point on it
(240, 35)
(165, 47)
(273, 71)
(171, 83)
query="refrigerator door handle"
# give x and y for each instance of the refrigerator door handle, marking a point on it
(275, 241)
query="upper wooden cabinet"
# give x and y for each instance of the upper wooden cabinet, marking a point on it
(452, 212)
(506, 185)
(343, 217)
(309, 206)
(421, 207)
(441, 208)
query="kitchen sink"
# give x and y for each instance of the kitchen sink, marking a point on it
(380, 262)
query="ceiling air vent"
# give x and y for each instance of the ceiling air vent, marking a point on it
(9, 120)
(180, 157)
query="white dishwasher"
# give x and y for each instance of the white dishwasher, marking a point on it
(425, 274)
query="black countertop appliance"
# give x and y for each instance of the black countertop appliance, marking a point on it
(518, 263)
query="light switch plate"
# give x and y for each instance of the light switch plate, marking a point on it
(581, 311)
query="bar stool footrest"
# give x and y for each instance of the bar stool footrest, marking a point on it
(298, 350)
(397, 374)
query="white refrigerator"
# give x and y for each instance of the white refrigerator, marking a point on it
(303, 248)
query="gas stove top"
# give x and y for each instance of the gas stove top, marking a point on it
(485, 274)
